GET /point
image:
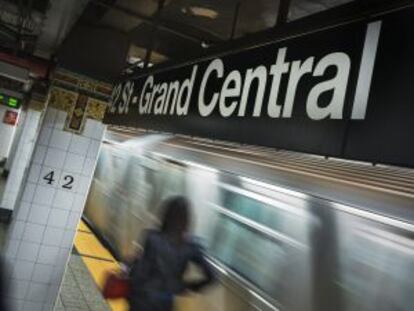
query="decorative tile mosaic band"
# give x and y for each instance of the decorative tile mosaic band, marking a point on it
(82, 83)
(37, 105)
(78, 106)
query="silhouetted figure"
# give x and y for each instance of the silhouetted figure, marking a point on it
(158, 275)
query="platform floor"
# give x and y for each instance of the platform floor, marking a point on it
(96, 261)
(84, 278)
(79, 290)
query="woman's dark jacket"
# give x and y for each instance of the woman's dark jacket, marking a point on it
(158, 275)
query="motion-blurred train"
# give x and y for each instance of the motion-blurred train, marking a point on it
(284, 231)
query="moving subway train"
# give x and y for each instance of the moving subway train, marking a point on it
(285, 231)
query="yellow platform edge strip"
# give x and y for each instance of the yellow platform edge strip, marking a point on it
(87, 245)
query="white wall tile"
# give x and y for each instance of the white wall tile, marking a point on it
(74, 163)
(23, 270)
(44, 195)
(34, 173)
(17, 230)
(63, 256)
(55, 158)
(60, 120)
(63, 199)
(48, 255)
(7, 200)
(8, 269)
(49, 120)
(88, 167)
(27, 149)
(53, 236)
(42, 273)
(23, 211)
(28, 251)
(58, 273)
(28, 192)
(79, 145)
(58, 218)
(39, 214)
(94, 129)
(48, 306)
(68, 237)
(73, 220)
(40, 154)
(37, 292)
(93, 149)
(49, 177)
(44, 136)
(52, 293)
(33, 233)
(68, 181)
(99, 131)
(32, 306)
(60, 139)
(83, 185)
(18, 288)
(12, 248)
(18, 304)
(89, 129)
(78, 203)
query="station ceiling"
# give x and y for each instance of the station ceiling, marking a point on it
(173, 29)
(186, 27)
(37, 27)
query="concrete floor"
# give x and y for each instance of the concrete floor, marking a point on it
(79, 291)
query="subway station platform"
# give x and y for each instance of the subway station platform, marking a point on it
(85, 275)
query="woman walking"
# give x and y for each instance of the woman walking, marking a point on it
(158, 276)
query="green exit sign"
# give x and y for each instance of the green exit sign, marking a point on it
(10, 101)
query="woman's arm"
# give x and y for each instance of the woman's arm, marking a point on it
(199, 259)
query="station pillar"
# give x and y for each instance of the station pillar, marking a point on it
(19, 160)
(54, 191)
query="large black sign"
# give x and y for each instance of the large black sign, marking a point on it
(346, 92)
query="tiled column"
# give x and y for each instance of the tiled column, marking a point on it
(52, 202)
(7, 132)
(21, 159)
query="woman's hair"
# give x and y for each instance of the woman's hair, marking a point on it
(176, 215)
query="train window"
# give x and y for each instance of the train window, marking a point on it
(376, 269)
(249, 253)
(303, 8)
(265, 214)
(251, 209)
(139, 185)
(253, 238)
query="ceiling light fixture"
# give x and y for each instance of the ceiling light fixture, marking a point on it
(200, 11)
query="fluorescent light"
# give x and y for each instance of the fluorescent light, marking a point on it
(200, 11)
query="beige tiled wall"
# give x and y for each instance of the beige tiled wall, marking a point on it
(45, 222)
